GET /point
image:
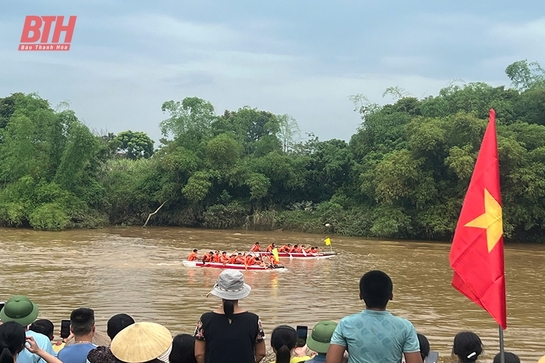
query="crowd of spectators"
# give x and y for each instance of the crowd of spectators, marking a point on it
(230, 334)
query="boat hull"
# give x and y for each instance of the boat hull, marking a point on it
(231, 266)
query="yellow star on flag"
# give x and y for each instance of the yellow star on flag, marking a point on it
(491, 220)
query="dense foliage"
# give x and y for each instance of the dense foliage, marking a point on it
(403, 174)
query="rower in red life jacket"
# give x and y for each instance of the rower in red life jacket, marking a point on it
(260, 262)
(232, 258)
(297, 249)
(193, 256)
(270, 247)
(240, 259)
(256, 247)
(224, 258)
(284, 248)
(250, 260)
(217, 256)
(291, 249)
(209, 257)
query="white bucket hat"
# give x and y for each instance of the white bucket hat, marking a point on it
(231, 286)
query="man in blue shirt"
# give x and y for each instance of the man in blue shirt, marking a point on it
(23, 311)
(82, 325)
(374, 335)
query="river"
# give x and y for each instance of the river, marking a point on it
(140, 272)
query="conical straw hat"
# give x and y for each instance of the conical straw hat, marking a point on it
(141, 342)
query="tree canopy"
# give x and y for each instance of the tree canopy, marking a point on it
(403, 174)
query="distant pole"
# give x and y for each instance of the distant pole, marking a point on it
(502, 352)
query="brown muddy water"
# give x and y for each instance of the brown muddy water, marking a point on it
(140, 272)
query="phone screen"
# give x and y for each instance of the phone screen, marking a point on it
(2, 305)
(65, 328)
(302, 332)
(432, 357)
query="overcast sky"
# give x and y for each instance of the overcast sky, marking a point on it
(298, 57)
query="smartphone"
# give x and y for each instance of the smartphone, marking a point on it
(65, 328)
(302, 332)
(432, 357)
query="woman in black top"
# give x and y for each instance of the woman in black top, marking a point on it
(230, 334)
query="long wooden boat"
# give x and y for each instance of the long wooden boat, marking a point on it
(303, 256)
(232, 266)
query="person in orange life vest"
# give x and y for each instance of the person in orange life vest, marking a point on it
(249, 260)
(232, 258)
(260, 262)
(270, 247)
(308, 250)
(193, 256)
(240, 259)
(314, 249)
(208, 257)
(217, 256)
(296, 249)
(224, 258)
(284, 248)
(291, 248)
(256, 247)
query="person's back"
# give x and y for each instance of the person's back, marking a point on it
(374, 335)
(229, 333)
(82, 325)
(183, 349)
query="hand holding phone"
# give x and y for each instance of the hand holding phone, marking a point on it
(302, 332)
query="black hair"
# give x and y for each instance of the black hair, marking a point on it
(117, 323)
(467, 346)
(376, 289)
(183, 349)
(12, 341)
(283, 340)
(102, 354)
(82, 321)
(424, 346)
(509, 358)
(229, 308)
(43, 326)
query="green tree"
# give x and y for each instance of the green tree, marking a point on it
(288, 132)
(134, 144)
(525, 75)
(189, 120)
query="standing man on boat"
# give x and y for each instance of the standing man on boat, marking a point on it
(374, 335)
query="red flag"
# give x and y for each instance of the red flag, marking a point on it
(476, 254)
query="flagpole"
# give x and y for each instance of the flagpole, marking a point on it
(502, 353)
